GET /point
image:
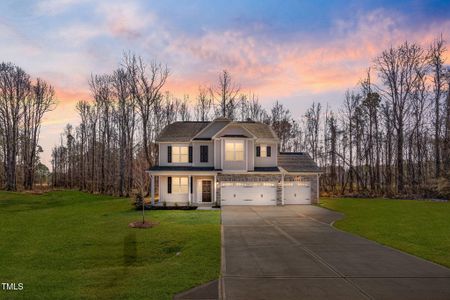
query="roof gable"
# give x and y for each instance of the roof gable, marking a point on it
(234, 129)
(212, 128)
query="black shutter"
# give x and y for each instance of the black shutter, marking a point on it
(169, 154)
(192, 185)
(169, 185)
(269, 151)
(258, 151)
(190, 154)
(204, 153)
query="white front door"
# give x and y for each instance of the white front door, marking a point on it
(248, 193)
(297, 192)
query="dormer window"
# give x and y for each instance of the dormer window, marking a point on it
(234, 150)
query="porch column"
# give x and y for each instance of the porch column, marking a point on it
(189, 190)
(152, 189)
(282, 188)
(215, 190)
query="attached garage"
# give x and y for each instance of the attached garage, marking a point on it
(249, 193)
(297, 192)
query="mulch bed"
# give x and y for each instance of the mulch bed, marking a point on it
(156, 207)
(145, 225)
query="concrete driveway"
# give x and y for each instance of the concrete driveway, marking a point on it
(292, 252)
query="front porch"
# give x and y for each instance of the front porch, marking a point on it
(181, 189)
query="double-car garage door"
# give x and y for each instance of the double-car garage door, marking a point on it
(249, 193)
(264, 193)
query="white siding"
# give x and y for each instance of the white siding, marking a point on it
(267, 161)
(217, 154)
(181, 199)
(163, 154)
(196, 154)
(234, 165)
(251, 155)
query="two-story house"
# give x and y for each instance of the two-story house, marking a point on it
(225, 162)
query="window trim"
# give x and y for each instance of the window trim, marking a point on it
(177, 187)
(234, 143)
(263, 151)
(177, 157)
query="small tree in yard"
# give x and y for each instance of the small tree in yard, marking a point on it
(140, 180)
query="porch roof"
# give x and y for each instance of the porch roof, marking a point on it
(182, 168)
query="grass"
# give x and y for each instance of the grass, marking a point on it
(421, 228)
(72, 245)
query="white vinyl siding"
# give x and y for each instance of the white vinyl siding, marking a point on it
(180, 154)
(234, 150)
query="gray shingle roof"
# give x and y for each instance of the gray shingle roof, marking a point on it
(185, 131)
(266, 169)
(212, 128)
(181, 168)
(260, 130)
(181, 131)
(297, 162)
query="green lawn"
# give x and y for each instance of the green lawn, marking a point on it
(71, 245)
(419, 227)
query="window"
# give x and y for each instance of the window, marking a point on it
(204, 153)
(263, 151)
(180, 154)
(234, 150)
(180, 185)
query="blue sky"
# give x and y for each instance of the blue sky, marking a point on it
(296, 52)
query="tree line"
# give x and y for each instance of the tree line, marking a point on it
(23, 104)
(390, 136)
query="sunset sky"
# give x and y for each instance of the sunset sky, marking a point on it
(296, 52)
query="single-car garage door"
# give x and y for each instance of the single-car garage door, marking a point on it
(297, 192)
(248, 193)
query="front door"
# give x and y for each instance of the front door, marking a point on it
(206, 190)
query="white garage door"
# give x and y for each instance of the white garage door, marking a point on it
(297, 192)
(249, 193)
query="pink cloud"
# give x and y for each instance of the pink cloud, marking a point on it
(282, 69)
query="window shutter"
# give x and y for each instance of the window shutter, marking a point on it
(204, 153)
(169, 154)
(258, 151)
(190, 154)
(269, 151)
(169, 185)
(192, 185)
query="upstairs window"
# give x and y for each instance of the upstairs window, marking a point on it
(204, 153)
(234, 150)
(180, 154)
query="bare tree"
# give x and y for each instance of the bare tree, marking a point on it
(146, 83)
(399, 69)
(203, 105)
(15, 88)
(436, 60)
(225, 94)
